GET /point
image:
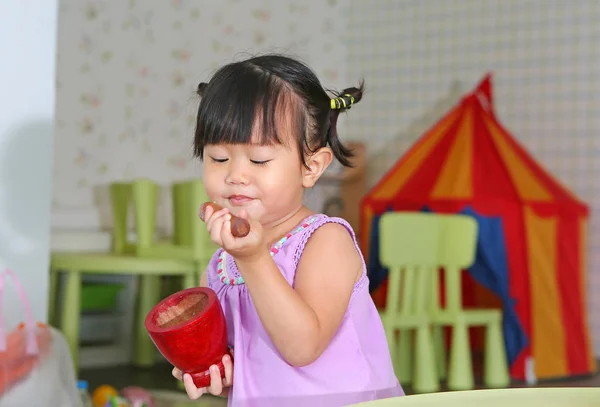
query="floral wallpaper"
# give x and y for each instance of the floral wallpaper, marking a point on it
(127, 71)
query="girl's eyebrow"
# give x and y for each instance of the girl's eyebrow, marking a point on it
(258, 144)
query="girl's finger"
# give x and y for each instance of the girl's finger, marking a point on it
(208, 211)
(216, 384)
(226, 236)
(177, 374)
(215, 216)
(190, 388)
(228, 366)
(216, 228)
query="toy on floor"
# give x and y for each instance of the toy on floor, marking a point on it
(137, 396)
(189, 329)
(131, 396)
(123, 402)
(102, 394)
(117, 401)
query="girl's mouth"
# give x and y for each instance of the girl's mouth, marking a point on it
(239, 200)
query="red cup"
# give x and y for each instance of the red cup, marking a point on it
(189, 330)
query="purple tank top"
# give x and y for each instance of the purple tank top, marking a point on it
(355, 367)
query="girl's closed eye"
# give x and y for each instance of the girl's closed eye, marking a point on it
(218, 160)
(259, 162)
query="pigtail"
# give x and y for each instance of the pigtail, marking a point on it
(201, 88)
(198, 147)
(343, 102)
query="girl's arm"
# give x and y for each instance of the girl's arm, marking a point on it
(204, 278)
(302, 320)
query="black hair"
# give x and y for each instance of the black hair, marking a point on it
(257, 88)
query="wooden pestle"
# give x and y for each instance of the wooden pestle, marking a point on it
(239, 227)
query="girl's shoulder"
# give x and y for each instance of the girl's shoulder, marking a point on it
(329, 236)
(333, 233)
(329, 251)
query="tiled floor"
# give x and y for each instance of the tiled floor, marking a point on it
(159, 378)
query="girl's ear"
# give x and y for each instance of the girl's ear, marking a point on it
(317, 163)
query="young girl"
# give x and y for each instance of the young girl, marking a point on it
(294, 291)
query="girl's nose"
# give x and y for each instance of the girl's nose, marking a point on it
(237, 174)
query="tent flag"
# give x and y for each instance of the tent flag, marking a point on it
(490, 269)
(375, 270)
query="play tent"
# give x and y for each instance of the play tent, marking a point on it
(531, 251)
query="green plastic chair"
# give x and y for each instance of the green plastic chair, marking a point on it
(120, 196)
(457, 249)
(525, 397)
(122, 260)
(182, 225)
(190, 241)
(408, 248)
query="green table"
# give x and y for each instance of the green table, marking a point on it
(148, 294)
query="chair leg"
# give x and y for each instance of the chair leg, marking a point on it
(190, 280)
(460, 375)
(52, 297)
(496, 365)
(148, 296)
(440, 350)
(425, 378)
(71, 314)
(404, 357)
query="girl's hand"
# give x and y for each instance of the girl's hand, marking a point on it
(217, 387)
(219, 227)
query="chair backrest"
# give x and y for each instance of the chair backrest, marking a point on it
(145, 201)
(408, 238)
(190, 238)
(458, 247)
(182, 232)
(458, 240)
(120, 197)
(408, 247)
(414, 245)
(188, 197)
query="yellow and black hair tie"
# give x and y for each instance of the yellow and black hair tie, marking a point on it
(344, 102)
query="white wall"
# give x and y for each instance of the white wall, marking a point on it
(126, 76)
(27, 79)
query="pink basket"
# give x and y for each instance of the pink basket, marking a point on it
(22, 348)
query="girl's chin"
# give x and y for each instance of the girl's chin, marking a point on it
(251, 212)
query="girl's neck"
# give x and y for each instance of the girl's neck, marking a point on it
(276, 230)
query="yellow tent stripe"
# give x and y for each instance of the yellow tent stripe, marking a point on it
(528, 186)
(455, 179)
(366, 230)
(414, 159)
(548, 338)
(583, 267)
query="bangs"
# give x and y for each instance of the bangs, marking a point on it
(244, 105)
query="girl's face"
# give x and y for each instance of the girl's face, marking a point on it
(266, 181)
